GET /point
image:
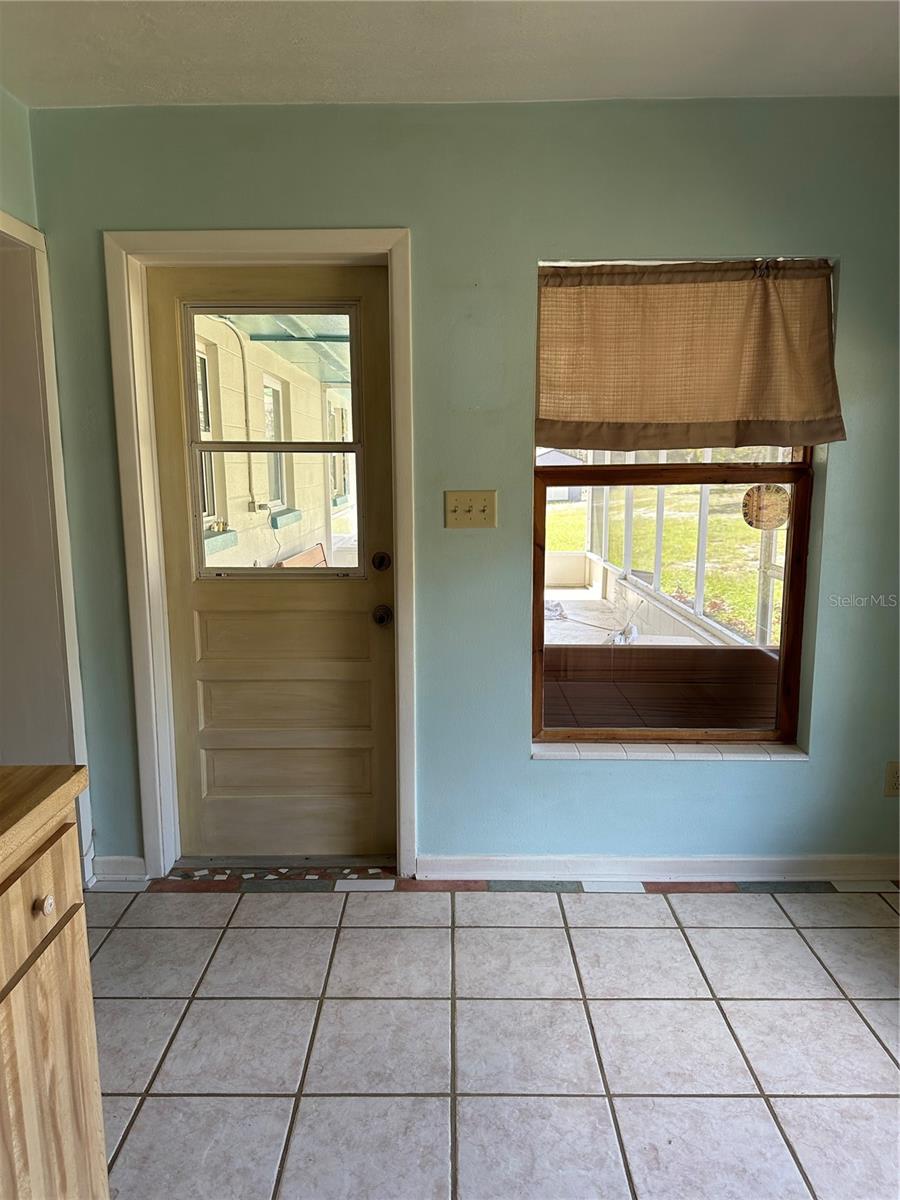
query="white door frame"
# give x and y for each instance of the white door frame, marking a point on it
(128, 255)
(34, 239)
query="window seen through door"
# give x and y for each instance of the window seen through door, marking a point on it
(273, 431)
(286, 378)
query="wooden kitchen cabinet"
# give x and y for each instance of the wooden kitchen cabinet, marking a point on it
(51, 1121)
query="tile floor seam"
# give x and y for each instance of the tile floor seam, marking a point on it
(844, 993)
(167, 1047)
(454, 1093)
(749, 1065)
(586, 1008)
(107, 930)
(798, 928)
(513, 1095)
(531, 999)
(298, 1094)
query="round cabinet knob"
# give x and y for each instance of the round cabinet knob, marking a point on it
(44, 906)
(382, 615)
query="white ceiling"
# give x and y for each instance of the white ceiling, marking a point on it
(81, 52)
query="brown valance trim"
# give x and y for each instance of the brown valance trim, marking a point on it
(625, 435)
(646, 274)
(686, 355)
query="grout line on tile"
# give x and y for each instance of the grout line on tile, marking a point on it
(107, 930)
(491, 1095)
(295, 1107)
(579, 925)
(531, 999)
(613, 1115)
(126, 908)
(840, 987)
(184, 1012)
(744, 1055)
(454, 1131)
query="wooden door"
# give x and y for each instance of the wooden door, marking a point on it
(272, 401)
(51, 1122)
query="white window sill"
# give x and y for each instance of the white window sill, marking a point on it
(671, 752)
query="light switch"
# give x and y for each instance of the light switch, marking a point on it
(470, 510)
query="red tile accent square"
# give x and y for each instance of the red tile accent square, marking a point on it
(703, 886)
(441, 885)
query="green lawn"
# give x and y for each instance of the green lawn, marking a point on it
(732, 547)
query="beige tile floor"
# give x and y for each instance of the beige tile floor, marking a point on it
(498, 1046)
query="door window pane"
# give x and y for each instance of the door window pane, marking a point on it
(305, 357)
(312, 527)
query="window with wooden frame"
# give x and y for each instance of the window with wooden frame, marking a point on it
(672, 496)
(272, 417)
(204, 416)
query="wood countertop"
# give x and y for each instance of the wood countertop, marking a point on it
(31, 797)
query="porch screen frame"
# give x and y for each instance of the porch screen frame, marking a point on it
(799, 474)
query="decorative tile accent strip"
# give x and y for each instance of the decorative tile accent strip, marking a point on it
(701, 886)
(326, 877)
(862, 885)
(611, 885)
(308, 877)
(364, 885)
(242, 875)
(287, 885)
(194, 885)
(534, 885)
(442, 885)
(786, 885)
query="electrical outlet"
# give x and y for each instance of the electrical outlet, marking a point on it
(470, 510)
(892, 779)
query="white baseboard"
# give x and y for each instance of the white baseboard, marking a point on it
(115, 867)
(696, 869)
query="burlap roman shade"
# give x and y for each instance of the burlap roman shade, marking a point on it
(635, 357)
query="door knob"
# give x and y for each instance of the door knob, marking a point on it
(381, 560)
(382, 614)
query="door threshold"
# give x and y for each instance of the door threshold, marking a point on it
(259, 861)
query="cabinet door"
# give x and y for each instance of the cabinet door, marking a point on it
(51, 1120)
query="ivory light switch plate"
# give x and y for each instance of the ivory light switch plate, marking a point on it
(470, 510)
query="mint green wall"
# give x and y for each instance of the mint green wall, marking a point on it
(487, 191)
(16, 176)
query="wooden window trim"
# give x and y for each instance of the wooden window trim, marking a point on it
(799, 474)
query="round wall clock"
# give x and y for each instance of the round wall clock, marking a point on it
(766, 506)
